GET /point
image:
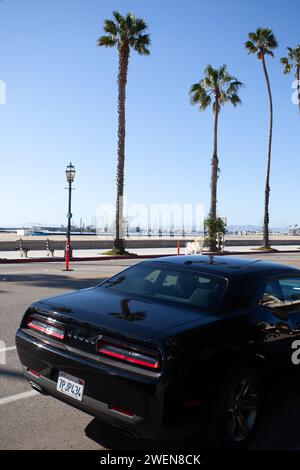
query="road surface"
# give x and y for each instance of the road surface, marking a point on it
(32, 421)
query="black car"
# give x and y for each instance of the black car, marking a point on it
(168, 345)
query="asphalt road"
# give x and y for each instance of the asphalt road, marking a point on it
(32, 421)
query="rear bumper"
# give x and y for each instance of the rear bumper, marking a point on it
(88, 405)
(105, 388)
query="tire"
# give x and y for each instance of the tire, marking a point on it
(235, 410)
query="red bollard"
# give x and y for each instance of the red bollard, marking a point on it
(67, 256)
(178, 247)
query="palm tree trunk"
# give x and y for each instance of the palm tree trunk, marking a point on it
(266, 242)
(119, 242)
(214, 180)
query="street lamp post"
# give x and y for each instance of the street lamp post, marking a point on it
(70, 175)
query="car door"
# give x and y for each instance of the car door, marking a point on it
(281, 296)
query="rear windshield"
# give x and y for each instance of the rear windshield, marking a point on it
(164, 283)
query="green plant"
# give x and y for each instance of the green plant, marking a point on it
(216, 229)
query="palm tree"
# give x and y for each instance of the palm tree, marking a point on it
(217, 87)
(126, 33)
(293, 60)
(262, 42)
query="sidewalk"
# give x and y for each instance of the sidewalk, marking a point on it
(32, 255)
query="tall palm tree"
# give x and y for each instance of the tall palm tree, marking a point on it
(262, 42)
(125, 33)
(293, 60)
(218, 88)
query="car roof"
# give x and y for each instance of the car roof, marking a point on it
(227, 266)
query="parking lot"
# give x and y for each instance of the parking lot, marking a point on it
(32, 421)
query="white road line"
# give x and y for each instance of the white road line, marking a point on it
(18, 396)
(10, 348)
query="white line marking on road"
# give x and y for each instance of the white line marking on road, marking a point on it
(10, 348)
(18, 396)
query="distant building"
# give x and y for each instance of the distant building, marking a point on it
(23, 232)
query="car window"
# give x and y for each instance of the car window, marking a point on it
(281, 293)
(290, 288)
(152, 277)
(170, 280)
(181, 286)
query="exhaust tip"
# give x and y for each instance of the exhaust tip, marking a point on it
(37, 387)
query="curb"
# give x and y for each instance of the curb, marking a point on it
(62, 260)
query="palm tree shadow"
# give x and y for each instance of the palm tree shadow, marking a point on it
(126, 314)
(55, 281)
(12, 374)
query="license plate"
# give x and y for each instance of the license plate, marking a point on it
(71, 386)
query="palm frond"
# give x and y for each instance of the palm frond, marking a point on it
(198, 95)
(204, 102)
(218, 83)
(262, 41)
(290, 53)
(211, 75)
(140, 25)
(294, 55)
(251, 47)
(253, 36)
(107, 41)
(234, 87)
(130, 22)
(270, 53)
(118, 16)
(287, 66)
(126, 31)
(235, 99)
(297, 55)
(110, 27)
(141, 44)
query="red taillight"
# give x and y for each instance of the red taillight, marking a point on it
(46, 326)
(33, 372)
(126, 354)
(193, 403)
(121, 411)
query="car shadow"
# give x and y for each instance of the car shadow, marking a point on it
(277, 429)
(113, 439)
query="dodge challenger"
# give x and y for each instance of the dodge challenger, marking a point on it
(168, 346)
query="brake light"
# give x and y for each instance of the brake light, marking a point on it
(33, 372)
(46, 326)
(121, 411)
(126, 354)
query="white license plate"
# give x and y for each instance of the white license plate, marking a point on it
(71, 386)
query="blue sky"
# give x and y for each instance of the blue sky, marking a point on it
(61, 106)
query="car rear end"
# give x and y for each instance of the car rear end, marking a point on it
(120, 380)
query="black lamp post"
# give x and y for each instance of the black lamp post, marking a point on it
(70, 175)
